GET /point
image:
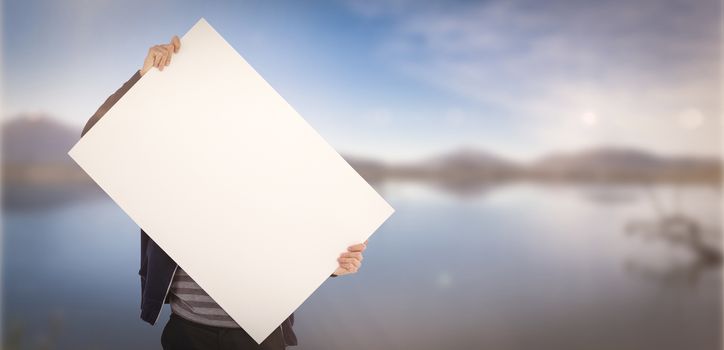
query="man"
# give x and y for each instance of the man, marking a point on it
(197, 321)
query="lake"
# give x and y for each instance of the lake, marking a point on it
(515, 266)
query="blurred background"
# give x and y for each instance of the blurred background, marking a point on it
(554, 167)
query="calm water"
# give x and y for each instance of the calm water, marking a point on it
(512, 267)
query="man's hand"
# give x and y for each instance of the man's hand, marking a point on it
(159, 56)
(351, 260)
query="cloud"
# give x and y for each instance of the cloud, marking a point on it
(570, 73)
(378, 117)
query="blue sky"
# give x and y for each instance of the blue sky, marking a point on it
(402, 79)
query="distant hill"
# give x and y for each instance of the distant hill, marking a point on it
(469, 160)
(622, 164)
(37, 139)
(460, 166)
(35, 152)
(371, 169)
(37, 171)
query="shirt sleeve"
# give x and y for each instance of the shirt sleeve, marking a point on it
(110, 101)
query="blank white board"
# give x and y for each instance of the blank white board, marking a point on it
(230, 181)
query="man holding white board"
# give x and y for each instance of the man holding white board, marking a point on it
(197, 321)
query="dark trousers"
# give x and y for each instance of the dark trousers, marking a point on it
(182, 334)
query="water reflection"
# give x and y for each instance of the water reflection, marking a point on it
(518, 266)
(679, 229)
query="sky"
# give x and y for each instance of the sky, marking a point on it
(401, 80)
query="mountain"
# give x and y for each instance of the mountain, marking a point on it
(469, 159)
(37, 172)
(370, 169)
(622, 164)
(37, 139)
(34, 152)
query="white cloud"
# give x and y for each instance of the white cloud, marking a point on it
(633, 72)
(380, 116)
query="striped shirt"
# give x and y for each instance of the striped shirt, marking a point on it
(191, 302)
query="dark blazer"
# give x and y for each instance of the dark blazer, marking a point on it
(157, 268)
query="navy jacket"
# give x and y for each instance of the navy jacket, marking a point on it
(157, 268)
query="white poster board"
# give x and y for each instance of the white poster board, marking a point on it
(230, 181)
